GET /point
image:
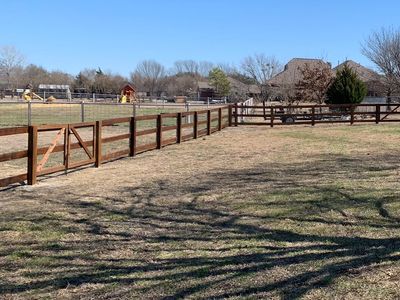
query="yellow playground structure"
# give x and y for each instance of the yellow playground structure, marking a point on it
(29, 95)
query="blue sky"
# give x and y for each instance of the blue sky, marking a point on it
(116, 35)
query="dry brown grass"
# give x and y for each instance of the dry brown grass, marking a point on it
(248, 212)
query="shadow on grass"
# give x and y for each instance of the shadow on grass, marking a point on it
(277, 229)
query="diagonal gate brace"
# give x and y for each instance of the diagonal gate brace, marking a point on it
(81, 142)
(392, 111)
(51, 148)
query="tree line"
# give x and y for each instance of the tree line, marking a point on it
(149, 76)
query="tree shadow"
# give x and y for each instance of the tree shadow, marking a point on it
(273, 229)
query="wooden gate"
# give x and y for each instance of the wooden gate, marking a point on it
(66, 139)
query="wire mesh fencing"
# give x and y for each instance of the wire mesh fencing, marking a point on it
(14, 114)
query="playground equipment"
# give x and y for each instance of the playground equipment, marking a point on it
(128, 94)
(29, 95)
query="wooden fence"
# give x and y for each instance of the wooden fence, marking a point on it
(231, 115)
(314, 114)
(93, 148)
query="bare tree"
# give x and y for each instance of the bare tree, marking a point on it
(186, 66)
(205, 67)
(35, 75)
(151, 73)
(181, 85)
(261, 68)
(97, 81)
(383, 49)
(227, 68)
(59, 77)
(10, 60)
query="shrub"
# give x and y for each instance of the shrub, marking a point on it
(346, 87)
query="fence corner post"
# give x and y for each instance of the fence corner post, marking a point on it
(98, 155)
(32, 154)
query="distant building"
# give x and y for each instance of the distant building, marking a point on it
(205, 90)
(59, 91)
(291, 73)
(284, 83)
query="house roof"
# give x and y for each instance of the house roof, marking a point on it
(128, 85)
(204, 85)
(364, 73)
(291, 74)
(249, 88)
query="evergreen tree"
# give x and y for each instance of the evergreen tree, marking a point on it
(346, 88)
(219, 81)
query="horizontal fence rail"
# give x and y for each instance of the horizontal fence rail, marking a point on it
(89, 138)
(314, 114)
(4, 157)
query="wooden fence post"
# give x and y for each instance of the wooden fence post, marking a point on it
(68, 148)
(220, 119)
(159, 131)
(208, 122)
(272, 116)
(132, 138)
(377, 114)
(313, 116)
(352, 115)
(195, 125)
(236, 114)
(83, 111)
(230, 115)
(98, 144)
(66, 139)
(32, 154)
(179, 128)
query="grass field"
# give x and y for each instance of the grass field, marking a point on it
(282, 213)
